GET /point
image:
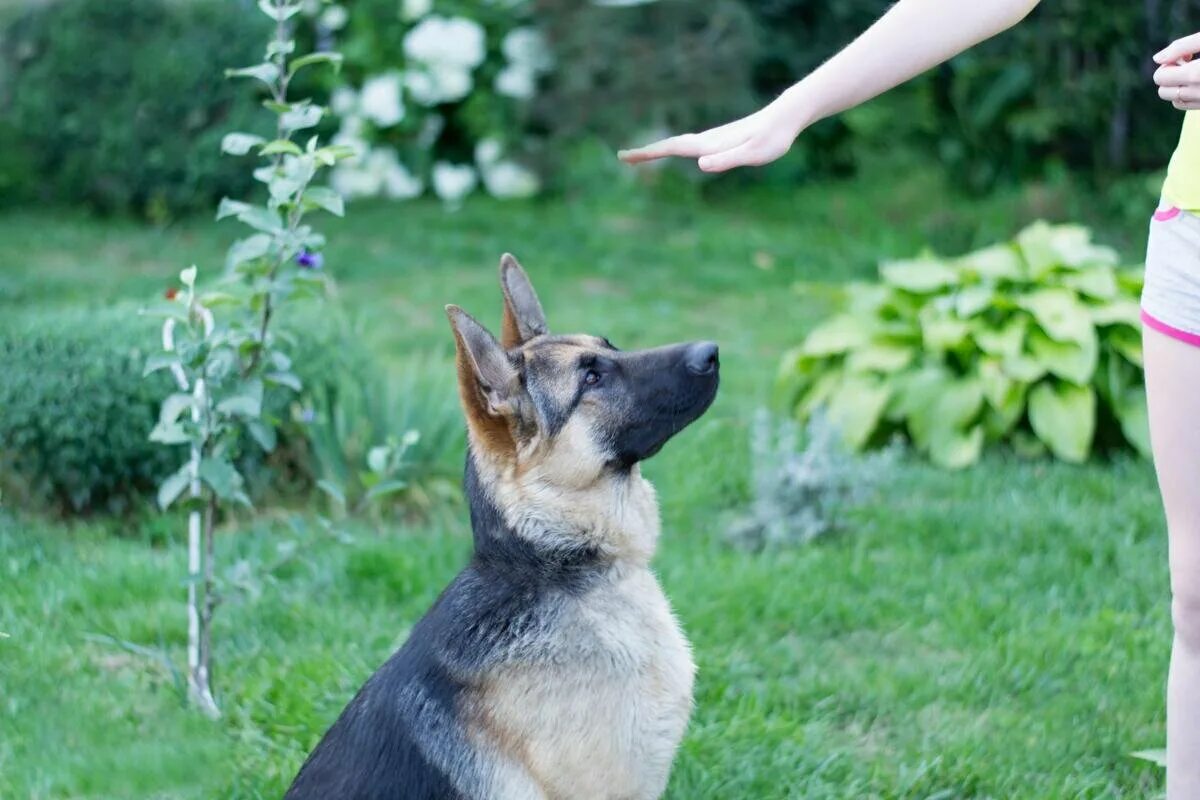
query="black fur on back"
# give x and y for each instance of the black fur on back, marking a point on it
(401, 735)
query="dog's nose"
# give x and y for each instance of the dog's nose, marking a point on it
(700, 358)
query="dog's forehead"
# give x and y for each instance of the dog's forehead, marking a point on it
(560, 351)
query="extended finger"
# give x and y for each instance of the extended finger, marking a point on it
(1181, 75)
(1180, 48)
(1187, 106)
(747, 154)
(1180, 94)
(688, 145)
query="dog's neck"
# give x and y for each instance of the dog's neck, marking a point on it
(523, 521)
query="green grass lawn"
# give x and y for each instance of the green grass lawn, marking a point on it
(996, 633)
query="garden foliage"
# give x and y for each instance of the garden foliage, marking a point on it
(1034, 342)
(120, 104)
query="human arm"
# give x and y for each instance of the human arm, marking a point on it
(912, 37)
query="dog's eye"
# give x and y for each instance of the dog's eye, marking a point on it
(591, 377)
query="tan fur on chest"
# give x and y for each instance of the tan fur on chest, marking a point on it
(599, 709)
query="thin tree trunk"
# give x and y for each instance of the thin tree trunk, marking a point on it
(200, 568)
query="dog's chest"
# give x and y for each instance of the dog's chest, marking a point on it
(600, 708)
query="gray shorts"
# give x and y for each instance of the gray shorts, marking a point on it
(1171, 297)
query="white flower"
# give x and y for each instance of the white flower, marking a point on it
(355, 181)
(487, 151)
(394, 178)
(431, 129)
(381, 102)
(335, 18)
(527, 47)
(456, 41)
(415, 9)
(516, 81)
(438, 83)
(453, 182)
(510, 179)
(343, 101)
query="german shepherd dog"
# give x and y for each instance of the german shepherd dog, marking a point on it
(552, 667)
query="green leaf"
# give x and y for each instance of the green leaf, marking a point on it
(169, 433)
(258, 217)
(880, 357)
(263, 433)
(836, 335)
(281, 146)
(327, 199)
(174, 405)
(1127, 341)
(920, 275)
(998, 262)
(385, 488)
(281, 11)
(172, 487)
(301, 117)
(248, 249)
(1006, 340)
(951, 448)
(159, 361)
(939, 405)
(333, 490)
(856, 406)
(1060, 314)
(971, 300)
(282, 378)
(1134, 418)
(1099, 282)
(1063, 416)
(333, 59)
(941, 330)
(219, 474)
(1070, 361)
(1120, 311)
(266, 72)
(239, 144)
(245, 402)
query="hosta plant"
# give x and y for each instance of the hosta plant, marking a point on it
(1035, 343)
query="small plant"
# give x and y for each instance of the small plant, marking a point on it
(1035, 342)
(223, 366)
(803, 492)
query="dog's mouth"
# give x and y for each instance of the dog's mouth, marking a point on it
(668, 404)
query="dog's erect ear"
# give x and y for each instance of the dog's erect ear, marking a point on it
(487, 380)
(523, 315)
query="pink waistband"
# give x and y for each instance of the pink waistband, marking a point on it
(1162, 327)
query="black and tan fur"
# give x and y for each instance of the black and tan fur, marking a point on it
(552, 667)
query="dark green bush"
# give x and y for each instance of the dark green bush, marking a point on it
(75, 412)
(121, 104)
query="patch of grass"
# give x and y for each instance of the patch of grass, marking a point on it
(996, 633)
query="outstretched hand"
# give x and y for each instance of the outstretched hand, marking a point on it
(1178, 77)
(750, 141)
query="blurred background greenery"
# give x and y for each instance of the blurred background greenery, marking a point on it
(994, 632)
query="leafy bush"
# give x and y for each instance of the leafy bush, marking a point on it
(74, 413)
(803, 492)
(1034, 342)
(377, 445)
(121, 104)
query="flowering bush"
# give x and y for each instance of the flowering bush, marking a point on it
(433, 95)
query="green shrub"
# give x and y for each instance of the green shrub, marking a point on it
(74, 412)
(121, 104)
(1035, 342)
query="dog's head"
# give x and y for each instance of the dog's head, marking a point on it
(574, 408)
